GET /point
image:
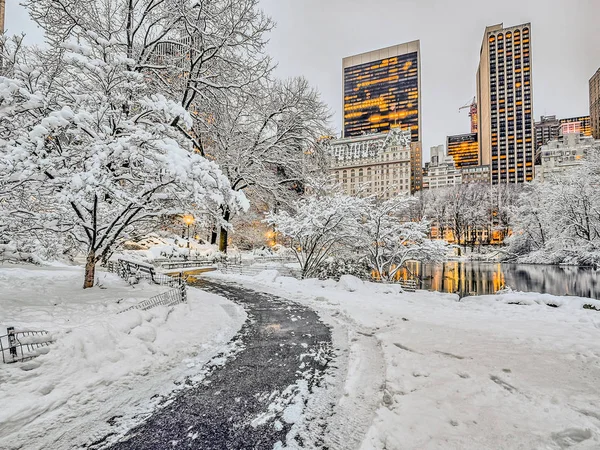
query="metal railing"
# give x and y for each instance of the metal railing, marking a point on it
(170, 298)
(127, 269)
(17, 346)
(252, 270)
(185, 264)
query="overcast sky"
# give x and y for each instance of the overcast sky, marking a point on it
(312, 37)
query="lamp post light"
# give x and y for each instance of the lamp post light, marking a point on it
(188, 220)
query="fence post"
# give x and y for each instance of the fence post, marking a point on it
(12, 341)
(183, 290)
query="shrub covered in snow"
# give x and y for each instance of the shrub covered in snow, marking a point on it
(336, 266)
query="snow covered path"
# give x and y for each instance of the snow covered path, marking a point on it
(426, 370)
(253, 398)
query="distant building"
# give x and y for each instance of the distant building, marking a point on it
(441, 171)
(416, 167)
(559, 156)
(505, 104)
(595, 104)
(475, 174)
(375, 164)
(464, 149)
(581, 125)
(546, 130)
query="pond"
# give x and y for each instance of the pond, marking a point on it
(480, 278)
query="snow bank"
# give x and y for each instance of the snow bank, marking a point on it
(350, 283)
(103, 364)
(427, 370)
(534, 298)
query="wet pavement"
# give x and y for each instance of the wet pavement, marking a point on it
(280, 343)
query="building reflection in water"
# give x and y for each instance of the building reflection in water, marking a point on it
(477, 278)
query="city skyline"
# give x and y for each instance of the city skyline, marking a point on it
(450, 39)
(565, 55)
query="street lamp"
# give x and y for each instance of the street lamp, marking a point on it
(188, 220)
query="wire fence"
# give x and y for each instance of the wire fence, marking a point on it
(17, 346)
(129, 269)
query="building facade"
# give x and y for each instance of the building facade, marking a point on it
(581, 125)
(441, 170)
(505, 102)
(475, 174)
(546, 130)
(382, 91)
(464, 149)
(559, 156)
(416, 167)
(595, 104)
(376, 164)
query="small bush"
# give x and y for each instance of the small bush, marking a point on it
(336, 267)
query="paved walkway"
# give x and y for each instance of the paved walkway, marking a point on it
(217, 413)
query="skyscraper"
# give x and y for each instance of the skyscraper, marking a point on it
(595, 104)
(504, 99)
(381, 91)
(464, 149)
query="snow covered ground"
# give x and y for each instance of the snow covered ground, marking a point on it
(426, 371)
(104, 368)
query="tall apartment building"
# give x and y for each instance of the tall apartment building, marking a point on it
(375, 164)
(504, 99)
(595, 104)
(464, 149)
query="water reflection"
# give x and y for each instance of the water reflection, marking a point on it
(477, 278)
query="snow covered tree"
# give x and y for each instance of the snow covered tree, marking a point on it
(319, 226)
(209, 57)
(96, 151)
(389, 239)
(197, 53)
(268, 142)
(559, 220)
(378, 232)
(531, 221)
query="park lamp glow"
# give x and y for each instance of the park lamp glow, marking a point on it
(188, 219)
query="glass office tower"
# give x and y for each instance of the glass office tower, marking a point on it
(381, 91)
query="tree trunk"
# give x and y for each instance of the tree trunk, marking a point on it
(90, 270)
(223, 234)
(213, 235)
